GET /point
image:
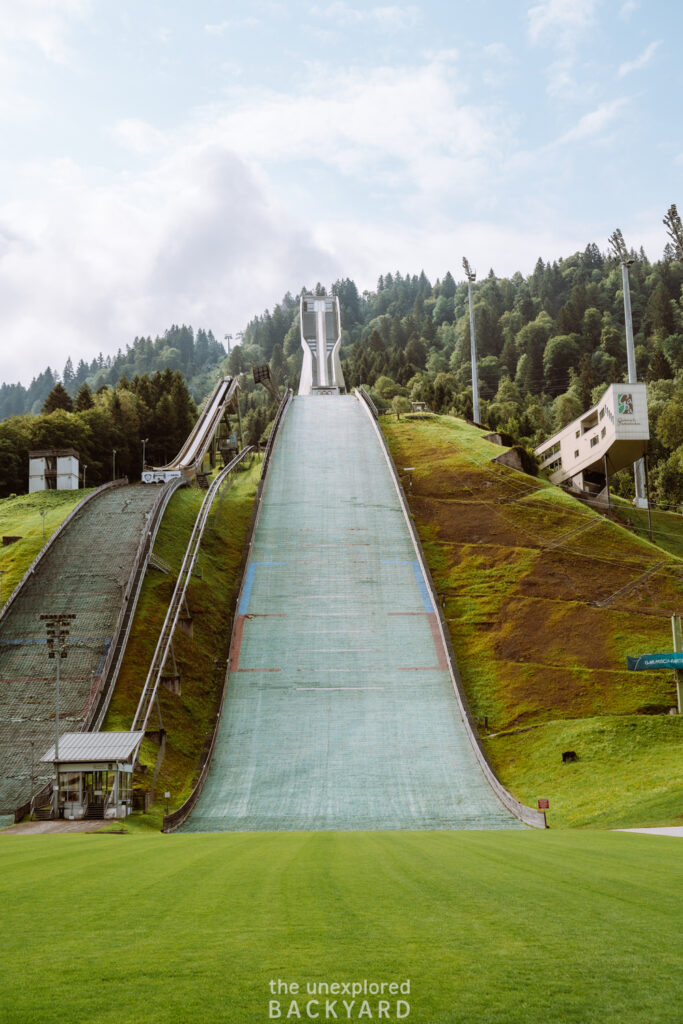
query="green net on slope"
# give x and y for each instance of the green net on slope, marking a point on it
(340, 712)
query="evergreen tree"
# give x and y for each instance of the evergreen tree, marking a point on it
(57, 399)
(84, 399)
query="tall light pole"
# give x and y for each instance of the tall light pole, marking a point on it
(43, 513)
(228, 338)
(471, 278)
(113, 464)
(616, 240)
(85, 470)
(57, 627)
(144, 445)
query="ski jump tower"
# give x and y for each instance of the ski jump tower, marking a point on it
(321, 373)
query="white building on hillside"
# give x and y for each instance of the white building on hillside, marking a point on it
(609, 437)
(53, 469)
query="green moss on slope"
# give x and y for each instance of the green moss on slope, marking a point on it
(544, 598)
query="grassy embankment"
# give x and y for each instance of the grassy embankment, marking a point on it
(20, 517)
(498, 927)
(667, 527)
(544, 598)
(201, 659)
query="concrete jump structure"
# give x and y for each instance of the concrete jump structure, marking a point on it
(340, 711)
(320, 324)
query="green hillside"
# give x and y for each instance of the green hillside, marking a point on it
(20, 516)
(544, 598)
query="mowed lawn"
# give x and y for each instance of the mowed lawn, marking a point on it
(490, 928)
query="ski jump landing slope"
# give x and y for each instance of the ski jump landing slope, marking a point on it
(340, 711)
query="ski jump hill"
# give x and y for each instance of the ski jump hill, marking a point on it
(342, 705)
(343, 708)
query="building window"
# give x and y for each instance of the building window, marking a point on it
(603, 431)
(576, 454)
(602, 414)
(594, 441)
(578, 433)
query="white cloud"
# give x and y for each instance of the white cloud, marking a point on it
(221, 27)
(203, 236)
(593, 123)
(43, 24)
(138, 136)
(640, 61)
(561, 21)
(561, 25)
(371, 125)
(390, 18)
(628, 8)
(85, 266)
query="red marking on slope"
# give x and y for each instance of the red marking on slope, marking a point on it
(438, 642)
(234, 659)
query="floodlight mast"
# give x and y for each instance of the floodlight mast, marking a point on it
(616, 240)
(674, 229)
(471, 277)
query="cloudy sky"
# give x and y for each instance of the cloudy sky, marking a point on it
(168, 161)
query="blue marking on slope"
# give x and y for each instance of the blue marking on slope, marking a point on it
(419, 579)
(422, 587)
(249, 584)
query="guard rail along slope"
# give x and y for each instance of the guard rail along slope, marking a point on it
(174, 820)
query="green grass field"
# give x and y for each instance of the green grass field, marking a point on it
(490, 928)
(21, 517)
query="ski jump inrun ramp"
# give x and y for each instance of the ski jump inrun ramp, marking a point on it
(340, 708)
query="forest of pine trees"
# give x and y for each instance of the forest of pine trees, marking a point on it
(548, 344)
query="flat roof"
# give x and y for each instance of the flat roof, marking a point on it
(95, 746)
(61, 453)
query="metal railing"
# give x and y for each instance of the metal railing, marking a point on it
(163, 647)
(368, 401)
(282, 408)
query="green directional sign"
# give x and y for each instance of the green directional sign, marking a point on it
(649, 661)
